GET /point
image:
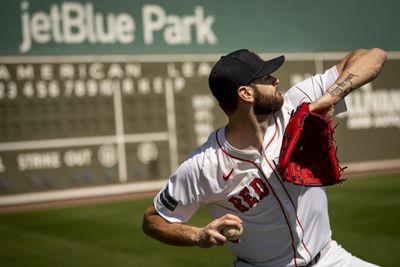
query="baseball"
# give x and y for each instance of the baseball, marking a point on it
(232, 233)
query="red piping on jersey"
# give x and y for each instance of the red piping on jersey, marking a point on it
(287, 193)
(272, 189)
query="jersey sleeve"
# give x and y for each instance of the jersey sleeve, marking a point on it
(314, 87)
(180, 198)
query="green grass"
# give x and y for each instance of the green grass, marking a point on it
(364, 217)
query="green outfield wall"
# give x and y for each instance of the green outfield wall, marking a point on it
(146, 27)
(108, 97)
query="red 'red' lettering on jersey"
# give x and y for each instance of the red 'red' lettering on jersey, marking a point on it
(245, 194)
(237, 202)
(259, 186)
(246, 197)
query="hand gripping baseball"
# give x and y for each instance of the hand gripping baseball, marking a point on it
(211, 234)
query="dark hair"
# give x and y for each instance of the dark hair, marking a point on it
(229, 104)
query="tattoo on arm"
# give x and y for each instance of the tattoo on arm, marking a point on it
(343, 88)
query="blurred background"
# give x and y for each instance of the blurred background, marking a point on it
(99, 97)
(103, 99)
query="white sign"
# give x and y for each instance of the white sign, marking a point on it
(368, 108)
(77, 23)
(38, 161)
(147, 152)
(107, 155)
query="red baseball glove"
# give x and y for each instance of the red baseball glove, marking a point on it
(308, 154)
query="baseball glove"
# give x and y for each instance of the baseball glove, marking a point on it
(308, 154)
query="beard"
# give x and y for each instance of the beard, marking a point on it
(267, 104)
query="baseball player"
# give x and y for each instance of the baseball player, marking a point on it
(234, 173)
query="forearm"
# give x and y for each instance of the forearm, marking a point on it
(357, 69)
(180, 234)
(177, 234)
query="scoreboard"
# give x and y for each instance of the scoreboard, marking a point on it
(98, 97)
(88, 121)
(82, 121)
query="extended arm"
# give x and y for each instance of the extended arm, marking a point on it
(356, 69)
(181, 234)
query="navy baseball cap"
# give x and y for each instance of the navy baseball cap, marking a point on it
(239, 68)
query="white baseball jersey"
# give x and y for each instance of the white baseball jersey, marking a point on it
(284, 224)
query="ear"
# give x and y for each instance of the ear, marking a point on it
(246, 93)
